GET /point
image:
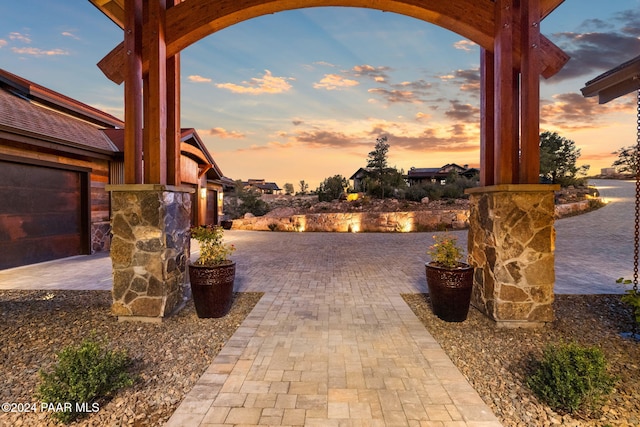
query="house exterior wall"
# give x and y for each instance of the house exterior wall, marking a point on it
(98, 197)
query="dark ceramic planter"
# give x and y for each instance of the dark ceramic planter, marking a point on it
(450, 291)
(226, 224)
(212, 289)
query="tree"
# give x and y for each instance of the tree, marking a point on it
(288, 188)
(378, 157)
(332, 188)
(627, 161)
(303, 187)
(377, 160)
(246, 200)
(558, 157)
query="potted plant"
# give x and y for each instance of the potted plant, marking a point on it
(450, 280)
(213, 273)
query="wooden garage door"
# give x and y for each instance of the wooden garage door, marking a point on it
(41, 213)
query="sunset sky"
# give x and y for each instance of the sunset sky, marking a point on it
(303, 95)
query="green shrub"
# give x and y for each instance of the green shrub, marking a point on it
(571, 377)
(84, 373)
(631, 298)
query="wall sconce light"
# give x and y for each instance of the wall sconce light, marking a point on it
(203, 193)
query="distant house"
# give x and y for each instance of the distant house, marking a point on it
(360, 176)
(423, 175)
(56, 157)
(262, 186)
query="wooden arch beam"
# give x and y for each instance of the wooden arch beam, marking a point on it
(192, 20)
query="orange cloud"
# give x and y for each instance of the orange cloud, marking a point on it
(573, 111)
(334, 81)
(224, 134)
(258, 86)
(198, 79)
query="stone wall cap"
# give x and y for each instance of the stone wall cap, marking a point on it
(149, 187)
(513, 188)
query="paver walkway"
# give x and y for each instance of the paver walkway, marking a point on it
(332, 343)
(594, 249)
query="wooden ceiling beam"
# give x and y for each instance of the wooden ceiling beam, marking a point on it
(192, 20)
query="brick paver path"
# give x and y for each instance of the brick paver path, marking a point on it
(332, 343)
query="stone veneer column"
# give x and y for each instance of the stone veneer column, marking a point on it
(511, 243)
(149, 249)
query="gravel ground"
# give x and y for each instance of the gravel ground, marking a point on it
(496, 360)
(168, 358)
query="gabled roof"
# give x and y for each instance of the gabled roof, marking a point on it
(190, 136)
(44, 116)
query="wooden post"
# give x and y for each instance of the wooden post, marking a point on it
(530, 84)
(487, 107)
(173, 115)
(133, 93)
(155, 136)
(504, 93)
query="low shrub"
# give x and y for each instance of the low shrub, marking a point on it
(84, 374)
(631, 298)
(571, 377)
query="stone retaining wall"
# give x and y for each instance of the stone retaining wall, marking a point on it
(428, 220)
(359, 221)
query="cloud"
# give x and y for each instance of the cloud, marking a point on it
(467, 80)
(34, 51)
(377, 74)
(458, 138)
(258, 86)
(455, 139)
(393, 96)
(198, 79)
(573, 111)
(69, 34)
(466, 45)
(225, 134)
(463, 112)
(334, 81)
(3, 42)
(24, 38)
(601, 48)
(324, 64)
(323, 138)
(420, 116)
(405, 92)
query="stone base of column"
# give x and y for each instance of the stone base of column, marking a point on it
(149, 249)
(511, 244)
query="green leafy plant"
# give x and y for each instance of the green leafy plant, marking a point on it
(571, 377)
(84, 374)
(273, 226)
(213, 250)
(445, 252)
(632, 298)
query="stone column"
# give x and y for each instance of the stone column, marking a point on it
(149, 249)
(511, 244)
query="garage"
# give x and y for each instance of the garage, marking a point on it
(44, 212)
